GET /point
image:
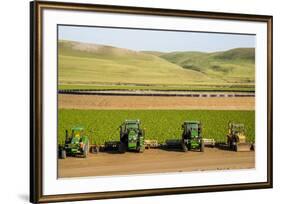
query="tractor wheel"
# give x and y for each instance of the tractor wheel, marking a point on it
(95, 149)
(235, 147)
(184, 147)
(232, 146)
(202, 147)
(140, 149)
(122, 148)
(86, 150)
(63, 154)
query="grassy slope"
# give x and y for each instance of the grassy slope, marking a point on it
(81, 63)
(234, 66)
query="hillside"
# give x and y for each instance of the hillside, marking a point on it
(91, 63)
(234, 66)
(86, 64)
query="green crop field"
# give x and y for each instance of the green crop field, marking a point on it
(103, 125)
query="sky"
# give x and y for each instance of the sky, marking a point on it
(155, 40)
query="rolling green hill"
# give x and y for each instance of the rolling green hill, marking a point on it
(83, 64)
(233, 66)
(89, 63)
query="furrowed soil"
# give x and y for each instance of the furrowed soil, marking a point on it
(154, 161)
(69, 101)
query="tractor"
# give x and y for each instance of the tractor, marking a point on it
(236, 138)
(75, 144)
(191, 137)
(131, 136)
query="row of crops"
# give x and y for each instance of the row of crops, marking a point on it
(103, 125)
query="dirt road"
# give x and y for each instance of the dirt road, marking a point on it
(217, 94)
(70, 101)
(154, 161)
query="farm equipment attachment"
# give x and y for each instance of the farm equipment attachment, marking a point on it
(131, 136)
(191, 137)
(209, 142)
(151, 144)
(236, 138)
(111, 146)
(75, 144)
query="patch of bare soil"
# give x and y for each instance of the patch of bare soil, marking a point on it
(69, 101)
(154, 161)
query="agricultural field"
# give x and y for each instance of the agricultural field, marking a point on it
(98, 102)
(159, 87)
(103, 125)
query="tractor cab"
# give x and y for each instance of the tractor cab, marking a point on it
(131, 125)
(77, 131)
(192, 129)
(237, 129)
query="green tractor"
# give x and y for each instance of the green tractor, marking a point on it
(75, 144)
(192, 136)
(131, 136)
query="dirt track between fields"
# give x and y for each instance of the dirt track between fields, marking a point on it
(69, 101)
(154, 161)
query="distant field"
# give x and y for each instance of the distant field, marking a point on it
(234, 88)
(106, 102)
(88, 66)
(102, 125)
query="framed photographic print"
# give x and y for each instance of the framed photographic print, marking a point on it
(131, 101)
